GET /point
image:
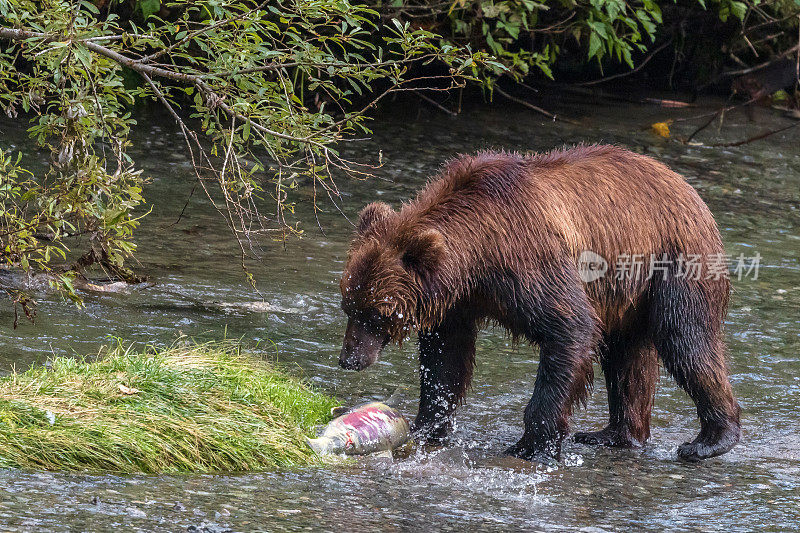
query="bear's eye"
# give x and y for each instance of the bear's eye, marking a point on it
(372, 319)
(348, 307)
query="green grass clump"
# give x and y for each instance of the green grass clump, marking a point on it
(189, 408)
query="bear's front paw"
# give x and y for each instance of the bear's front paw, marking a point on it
(430, 433)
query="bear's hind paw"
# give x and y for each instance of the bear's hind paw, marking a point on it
(704, 448)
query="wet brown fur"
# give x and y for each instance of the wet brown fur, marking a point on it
(496, 236)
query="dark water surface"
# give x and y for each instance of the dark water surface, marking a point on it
(753, 190)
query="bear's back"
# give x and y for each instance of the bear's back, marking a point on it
(594, 197)
(509, 212)
(614, 201)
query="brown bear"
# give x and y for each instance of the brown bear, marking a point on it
(500, 237)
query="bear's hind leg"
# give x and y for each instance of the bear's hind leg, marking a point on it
(630, 367)
(685, 325)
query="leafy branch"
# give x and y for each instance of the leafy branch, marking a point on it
(261, 92)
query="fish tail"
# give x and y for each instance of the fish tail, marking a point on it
(397, 397)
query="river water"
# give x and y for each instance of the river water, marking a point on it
(754, 192)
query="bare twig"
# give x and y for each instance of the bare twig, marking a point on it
(549, 29)
(705, 125)
(632, 71)
(771, 61)
(435, 104)
(534, 108)
(756, 137)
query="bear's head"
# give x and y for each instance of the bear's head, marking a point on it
(392, 266)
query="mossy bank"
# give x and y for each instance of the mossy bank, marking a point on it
(190, 408)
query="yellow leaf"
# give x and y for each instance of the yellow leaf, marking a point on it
(661, 128)
(460, 3)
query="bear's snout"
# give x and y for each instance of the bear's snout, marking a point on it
(361, 346)
(349, 362)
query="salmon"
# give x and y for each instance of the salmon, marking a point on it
(370, 428)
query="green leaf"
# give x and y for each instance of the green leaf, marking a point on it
(599, 28)
(739, 10)
(148, 7)
(512, 30)
(626, 56)
(83, 55)
(595, 46)
(90, 7)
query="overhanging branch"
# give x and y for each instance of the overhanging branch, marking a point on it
(138, 65)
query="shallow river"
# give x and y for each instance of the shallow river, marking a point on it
(754, 192)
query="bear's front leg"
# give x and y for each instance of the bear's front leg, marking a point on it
(446, 360)
(562, 380)
(565, 331)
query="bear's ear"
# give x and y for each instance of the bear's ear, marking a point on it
(371, 214)
(423, 252)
